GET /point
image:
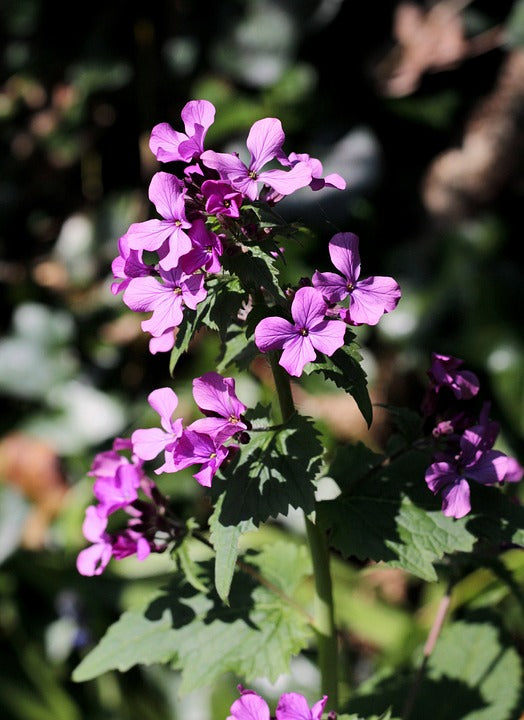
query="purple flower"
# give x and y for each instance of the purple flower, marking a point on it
(149, 442)
(445, 372)
(310, 331)
(118, 490)
(369, 298)
(475, 461)
(207, 249)
(216, 398)
(169, 145)
(166, 299)
(221, 198)
(195, 448)
(291, 706)
(317, 181)
(167, 236)
(264, 142)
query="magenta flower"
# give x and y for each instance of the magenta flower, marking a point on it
(195, 448)
(264, 142)
(166, 300)
(310, 331)
(221, 198)
(369, 298)
(291, 706)
(119, 490)
(149, 442)
(169, 145)
(475, 461)
(318, 182)
(445, 372)
(167, 236)
(216, 398)
(207, 249)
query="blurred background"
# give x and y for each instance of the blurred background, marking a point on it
(419, 106)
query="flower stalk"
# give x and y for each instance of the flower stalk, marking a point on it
(323, 609)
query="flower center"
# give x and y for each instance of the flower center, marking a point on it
(177, 290)
(253, 175)
(304, 332)
(350, 286)
(233, 419)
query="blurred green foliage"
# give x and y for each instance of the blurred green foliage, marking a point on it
(81, 86)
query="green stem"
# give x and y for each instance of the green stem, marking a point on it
(324, 614)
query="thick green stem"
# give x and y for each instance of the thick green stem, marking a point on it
(324, 615)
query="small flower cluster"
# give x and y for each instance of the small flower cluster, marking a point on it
(200, 213)
(291, 706)
(314, 307)
(118, 480)
(206, 441)
(118, 483)
(464, 440)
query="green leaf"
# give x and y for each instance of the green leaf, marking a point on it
(388, 514)
(473, 666)
(345, 370)
(256, 635)
(225, 542)
(131, 640)
(256, 269)
(274, 470)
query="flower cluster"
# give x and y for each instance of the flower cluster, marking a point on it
(200, 214)
(206, 441)
(464, 440)
(118, 483)
(118, 480)
(291, 706)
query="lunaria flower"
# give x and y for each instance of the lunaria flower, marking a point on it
(445, 372)
(195, 448)
(167, 236)
(264, 142)
(369, 299)
(170, 145)
(291, 706)
(216, 398)
(309, 332)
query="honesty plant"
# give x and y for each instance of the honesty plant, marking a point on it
(213, 260)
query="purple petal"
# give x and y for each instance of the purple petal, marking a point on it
(294, 706)
(271, 333)
(149, 235)
(177, 245)
(490, 468)
(345, 256)
(370, 299)
(264, 142)
(198, 113)
(216, 394)
(440, 475)
(333, 287)
(163, 343)
(166, 192)
(455, 499)
(286, 182)
(93, 560)
(225, 163)
(249, 706)
(308, 307)
(94, 525)
(164, 142)
(297, 352)
(164, 401)
(328, 336)
(150, 442)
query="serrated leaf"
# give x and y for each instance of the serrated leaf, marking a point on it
(345, 370)
(275, 470)
(131, 640)
(257, 634)
(188, 567)
(389, 515)
(236, 349)
(256, 269)
(225, 542)
(473, 666)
